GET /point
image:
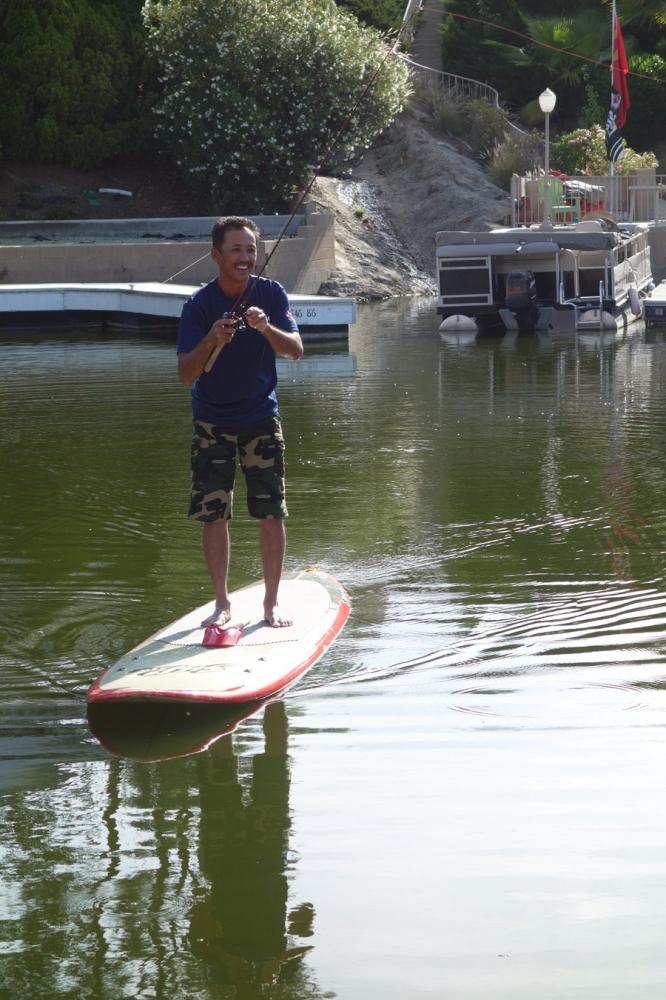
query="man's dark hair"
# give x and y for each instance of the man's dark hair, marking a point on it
(231, 222)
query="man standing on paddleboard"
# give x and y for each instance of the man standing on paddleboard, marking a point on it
(230, 333)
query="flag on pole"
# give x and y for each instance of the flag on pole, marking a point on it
(619, 101)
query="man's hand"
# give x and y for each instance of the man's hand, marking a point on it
(222, 331)
(257, 318)
(202, 358)
(285, 343)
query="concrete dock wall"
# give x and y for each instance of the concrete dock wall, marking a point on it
(147, 250)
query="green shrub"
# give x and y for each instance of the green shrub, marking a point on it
(583, 151)
(593, 110)
(480, 124)
(383, 14)
(486, 126)
(70, 74)
(257, 92)
(446, 111)
(516, 153)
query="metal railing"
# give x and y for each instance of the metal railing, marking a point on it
(409, 17)
(454, 86)
(636, 197)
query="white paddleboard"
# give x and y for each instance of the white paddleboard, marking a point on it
(173, 663)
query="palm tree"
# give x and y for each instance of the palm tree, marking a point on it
(643, 12)
(559, 40)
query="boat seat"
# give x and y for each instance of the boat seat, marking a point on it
(563, 208)
(569, 211)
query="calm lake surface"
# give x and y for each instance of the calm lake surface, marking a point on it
(464, 798)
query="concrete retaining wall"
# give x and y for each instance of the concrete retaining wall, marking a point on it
(302, 263)
(141, 250)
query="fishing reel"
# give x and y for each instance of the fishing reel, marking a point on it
(235, 316)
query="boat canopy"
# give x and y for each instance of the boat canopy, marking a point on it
(584, 236)
(547, 248)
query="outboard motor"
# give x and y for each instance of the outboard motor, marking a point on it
(521, 299)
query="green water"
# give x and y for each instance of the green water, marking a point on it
(463, 799)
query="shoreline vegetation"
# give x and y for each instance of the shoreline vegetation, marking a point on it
(407, 186)
(419, 174)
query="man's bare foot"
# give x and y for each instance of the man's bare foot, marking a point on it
(220, 616)
(273, 618)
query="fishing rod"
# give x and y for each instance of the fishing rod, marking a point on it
(240, 305)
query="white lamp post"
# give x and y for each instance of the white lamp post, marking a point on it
(547, 104)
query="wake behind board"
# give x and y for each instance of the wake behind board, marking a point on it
(173, 663)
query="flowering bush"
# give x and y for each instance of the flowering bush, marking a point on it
(257, 92)
(584, 152)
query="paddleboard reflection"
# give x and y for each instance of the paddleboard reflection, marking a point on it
(154, 731)
(241, 926)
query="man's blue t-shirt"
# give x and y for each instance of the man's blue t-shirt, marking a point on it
(240, 388)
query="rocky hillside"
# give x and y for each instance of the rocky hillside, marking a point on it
(411, 184)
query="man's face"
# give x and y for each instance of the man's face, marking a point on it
(236, 256)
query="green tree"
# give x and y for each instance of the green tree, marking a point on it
(383, 14)
(476, 43)
(650, 12)
(647, 98)
(556, 43)
(73, 79)
(257, 92)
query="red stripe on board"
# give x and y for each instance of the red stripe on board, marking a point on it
(97, 694)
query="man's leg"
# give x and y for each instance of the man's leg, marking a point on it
(262, 458)
(211, 502)
(216, 550)
(272, 544)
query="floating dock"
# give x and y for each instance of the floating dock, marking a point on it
(151, 305)
(654, 306)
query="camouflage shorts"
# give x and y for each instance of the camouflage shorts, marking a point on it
(261, 453)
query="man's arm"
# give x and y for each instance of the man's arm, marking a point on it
(191, 363)
(285, 343)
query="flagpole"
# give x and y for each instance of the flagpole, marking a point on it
(614, 192)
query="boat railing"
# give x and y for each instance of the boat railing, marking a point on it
(636, 197)
(623, 267)
(632, 270)
(609, 274)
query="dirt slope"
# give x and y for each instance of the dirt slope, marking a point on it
(411, 184)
